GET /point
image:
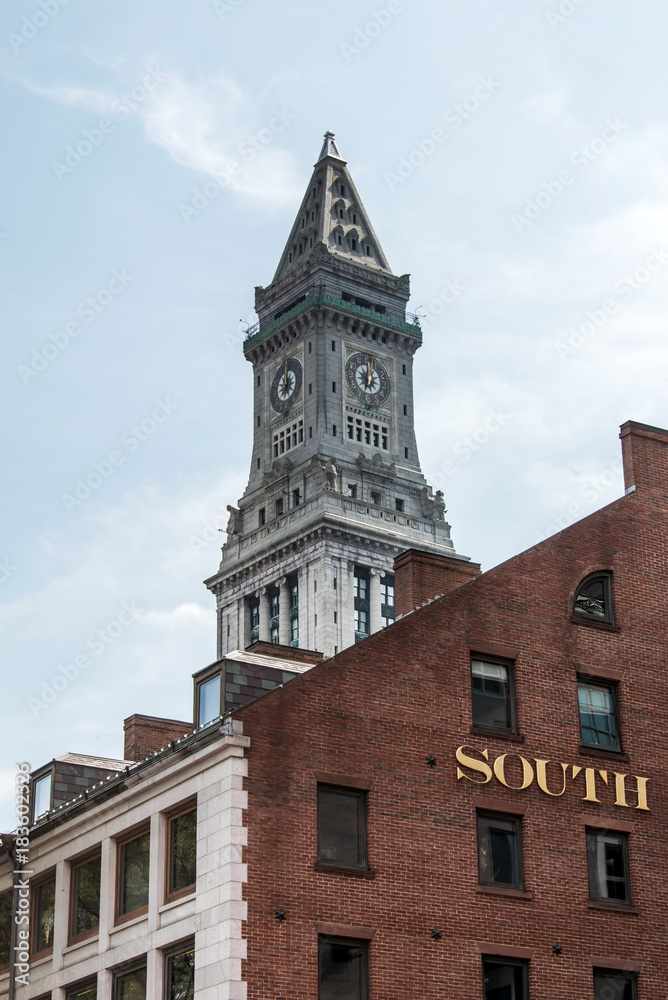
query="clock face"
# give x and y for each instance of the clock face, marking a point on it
(286, 385)
(367, 379)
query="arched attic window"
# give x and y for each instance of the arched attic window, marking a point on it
(593, 599)
(353, 239)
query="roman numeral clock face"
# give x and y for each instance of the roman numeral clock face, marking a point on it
(367, 379)
(286, 385)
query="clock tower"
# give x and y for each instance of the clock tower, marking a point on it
(335, 491)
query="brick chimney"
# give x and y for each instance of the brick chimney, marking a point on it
(645, 456)
(421, 576)
(146, 733)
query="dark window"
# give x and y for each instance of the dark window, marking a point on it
(342, 827)
(352, 490)
(387, 610)
(597, 703)
(133, 863)
(130, 985)
(593, 600)
(368, 251)
(500, 850)
(343, 190)
(492, 694)
(361, 604)
(83, 991)
(262, 516)
(343, 969)
(85, 908)
(399, 505)
(611, 984)
(376, 498)
(182, 841)
(405, 410)
(254, 618)
(296, 498)
(608, 866)
(310, 432)
(43, 902)
(5, 928)
(258, 380)
(333, 386)
(405, 452)
(333, 430)
(310, 388)
(41, 795)
(180, 974)
(505, 979)
(309, 346)
(279, 506)
(354, 244)
(208, 698)
(274, 614)
(333, 345)
(293, 592)
(403, 369)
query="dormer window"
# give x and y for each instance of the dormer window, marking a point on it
(340, 241)
(340, 213)
(593, 599)
(290, 257)
(353, 244)
(303, 223)
(301, 249)
(343, 190)
(368, 252)
(354, 219)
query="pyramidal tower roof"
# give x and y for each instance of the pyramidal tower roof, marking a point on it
(332, 213)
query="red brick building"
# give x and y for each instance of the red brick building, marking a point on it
(469, 804)
(428, 906)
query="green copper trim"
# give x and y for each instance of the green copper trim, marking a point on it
(381, 319)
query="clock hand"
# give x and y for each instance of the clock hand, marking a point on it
(285, 377)
(369, 372)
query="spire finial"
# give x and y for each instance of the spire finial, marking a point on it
(329, 147)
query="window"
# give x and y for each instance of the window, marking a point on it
(593, 600)
(342, 827)
(132, 877)
(182, 858)
(180, 973)
(82, 991)
(492, 694)
(5, 929)
(274, 613)
(403, 369)
(258, 380)
(333, 386)
(353, 243)
(361, 604)
(262, 516)
(387, 612)
(131, 984)
(500, 850)
(254, 619)
(279, 506)
(352, 490)
(376, 498)
(405, 410)
(608, 866)
(405, 452)
(597, 703)
(41, 795)
(368, 251)
(333, 430)
(293, 592)
(343, 190)
(43, 909)
(610, 984)
(208, 695)
(333, 345)
(289, 437)
(343, 969)
(505, 979)
(85, 899)
(296, 498)
(399, 505)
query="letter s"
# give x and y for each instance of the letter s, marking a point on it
(475, 765)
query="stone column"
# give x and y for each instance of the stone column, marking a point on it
(374, 600)
(284, 612)
(264, 614)
(347, 585)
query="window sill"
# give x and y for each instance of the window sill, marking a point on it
(611, 907)
(41, 958)
(129, 923)
(171, 903)
(80, 944)
(320, 866)
(603, 626)
(498, 890)
(599, 752)
(502, 734)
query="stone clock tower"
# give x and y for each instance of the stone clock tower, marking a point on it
(335, 490)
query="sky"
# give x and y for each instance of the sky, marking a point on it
(512, 157)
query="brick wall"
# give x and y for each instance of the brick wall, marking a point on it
(422, 576)
(145, 733)
(379, 710)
